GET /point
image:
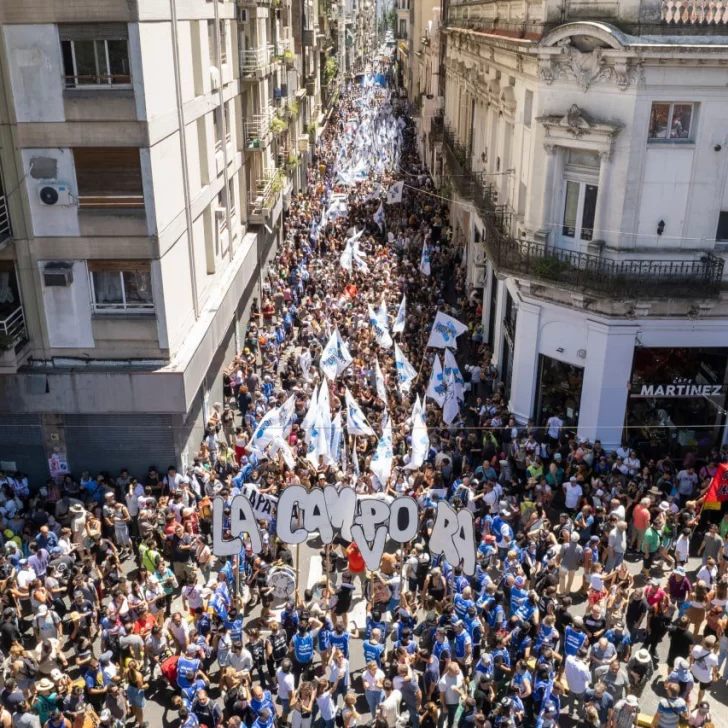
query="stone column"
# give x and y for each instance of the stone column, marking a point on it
(525, 361)
(543, 226)
(600, 221)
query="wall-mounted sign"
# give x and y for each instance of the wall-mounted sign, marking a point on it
(368, 521)
(687, 390)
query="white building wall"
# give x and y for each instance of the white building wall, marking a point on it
(68, 310)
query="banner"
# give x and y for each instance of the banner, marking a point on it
(263, 505)
(356, 423)
(368, 521)
(445, 330)
(436, 385)
(718, 491)
(406, 373)
(398, 325)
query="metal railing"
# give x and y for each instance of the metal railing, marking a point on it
(12, 327)
(695, 12)
(259, 125)
(252, 60)
(437, 128)
(458, 160)
(5, 229)
(620, 277)
(268, 185)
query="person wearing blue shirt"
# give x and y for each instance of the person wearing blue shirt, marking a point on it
(374, 621)
(484, 666)
(261, 700)
(518, 639)
(620, 638)
(463, 646)
(340, 638)
(501, 661)
(406, 642)
(188, 666)
(518, 595)
(574, 637)
(441, 648)
(463, 602)
(373, 648)
(234, 624)
(302, 646)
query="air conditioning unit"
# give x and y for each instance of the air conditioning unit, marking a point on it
(220, 216)
(242, 15)
(215, 77)
(56, 193)
(57, 275)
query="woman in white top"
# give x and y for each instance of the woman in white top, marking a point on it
(349, 714)
(373, 679)
(339, 674)
(325, 703)
(302, 706)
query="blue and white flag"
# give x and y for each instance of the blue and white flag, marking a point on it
(280, 445)
(399, 322)
(305, 361)
(436, 385)
(381, 384)
(356, 422)
(406, 373)
(451, 406)
(287, 415)
(335, 357)
(310, 417)
(425, 260)
(319, 444)
(381, 463)
(323, 404)
(379, 216)
(276, 423)
(381, 334)
(336, 440)
(394, 194)
(420, 438)
(452, 366)
(445, 331)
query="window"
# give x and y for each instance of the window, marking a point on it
(580, 205)
(220, 212)
(528, 109)
(211, 42)
(216, 129)
(231, 198)
(109, 177)
(122, 286)
(671, 121)
(226, 114)
(721, 234)
(95, 55)
(223, 41)
(402, 28)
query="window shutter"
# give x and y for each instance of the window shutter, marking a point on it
(118, 265)
(108, 170)
(94, 31)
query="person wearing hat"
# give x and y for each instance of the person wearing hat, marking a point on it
(701, 715)
(639, 669)
(625, 712)
(45, 699)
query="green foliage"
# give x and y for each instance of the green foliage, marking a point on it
(6, 342)
(293, 108)
(330, 69)
(311, 128)
(293, 161)
(288, 57)
(550, 267)
(277, 125)
(277, 184)
(446, 190)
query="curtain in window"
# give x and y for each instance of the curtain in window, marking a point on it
(107, 288)
(6, 293)
(138, 287)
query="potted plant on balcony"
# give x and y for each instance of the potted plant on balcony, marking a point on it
(293, 161)
(276, 184)
(446, 190)
(288, 58)
(7, 342)
(293, 108)
(312, 127)
(277, 125)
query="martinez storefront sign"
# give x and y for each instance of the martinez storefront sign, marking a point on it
(679, 390)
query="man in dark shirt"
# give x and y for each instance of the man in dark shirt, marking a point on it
(681, 641)
(10, 696)
(9, 631)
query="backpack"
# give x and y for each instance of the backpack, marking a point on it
(30, 666)
(339, 718)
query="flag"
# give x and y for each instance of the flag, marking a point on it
(276, 423)
(305, 361)
(336, 439)
(381, 385)
(420, 439)
(451, 407)
(425, 260)
(445, 331)
(380, 329)
(718, 490)
(382, 314)
(356, 423)
(323, 404)
(280, 445)
(308, 420)
(287, 414)
(398, 325)
(436, 385)
(319, 444)
(347, 257)
(381, 463)
(379, 216)
(406, 373)
(394, 194)
(335, 357)
(452, 366)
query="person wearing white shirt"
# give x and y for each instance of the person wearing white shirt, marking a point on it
(578, 677)
(708, 573)
(373, 679)
(326, 704)
(286, 685)
(25, 575)
(554, 425)
(339, 674)
(389, 707)
(572, 494)
(704, 664)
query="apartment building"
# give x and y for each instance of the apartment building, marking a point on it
(148, 151)
(585, 149)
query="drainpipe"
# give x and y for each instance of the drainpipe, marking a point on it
(183, 152)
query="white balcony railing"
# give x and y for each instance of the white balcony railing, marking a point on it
(268, 185)
(695, 12)
(259, 126)
(252, 60)
(5, 230)
(12, 327)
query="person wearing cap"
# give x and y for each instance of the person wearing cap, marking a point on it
(626, 711)
(701, 716)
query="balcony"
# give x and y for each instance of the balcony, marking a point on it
(621, 278)
(437, 128)
(695, 12)
(13, 339)
(255, 62)
(257, 129)
(5, 229)
(457, 157)
(262, 201)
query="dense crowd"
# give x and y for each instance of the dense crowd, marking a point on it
(111, 590)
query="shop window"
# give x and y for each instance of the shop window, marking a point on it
(121, 287)
(671, 122)
(95, 55)
(109, 177)
(559, 391)
(721, 234)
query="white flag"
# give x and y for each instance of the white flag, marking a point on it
(425, 260)
(420, 439)
(406, 373)
(382, 314)
(356, 423)
(445, 331)
(280, 445)
(319, 444)
(347, 258)
(335, 357)
(276, 423)
(381, 385)
(451, 366)
(398, 325)
(336, 439)
(305, 361)
(394, 194)
(287, 414)
(381, 334)
(324, 407)
(436, 385)
(381, 463)
(379, 216)
(451, 407)
(310, 418)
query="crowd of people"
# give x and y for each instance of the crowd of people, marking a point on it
(112, 591)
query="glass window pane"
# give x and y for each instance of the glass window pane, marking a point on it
(682, 115)
(107, 288)
(138, 287)
(571, 206)
(659, 121)
(590, 208)
(101, 63)
(68, 63)
(86, 61)
(119, 61)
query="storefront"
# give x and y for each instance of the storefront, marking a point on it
(677, 400)
(558, 392)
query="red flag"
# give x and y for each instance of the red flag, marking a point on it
(718, 490)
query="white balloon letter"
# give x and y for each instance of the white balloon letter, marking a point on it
(403, 519)
(220, 547)
(292, 495)
(453, 536)
(316, 516)
(341, 506)
(373, 512)
(242, 520)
